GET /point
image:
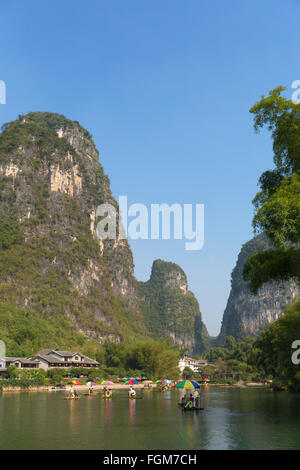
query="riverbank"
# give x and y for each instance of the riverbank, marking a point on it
(85, 388)
(79, 388)
(239, 384)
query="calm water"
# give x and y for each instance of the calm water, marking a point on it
(233, 419)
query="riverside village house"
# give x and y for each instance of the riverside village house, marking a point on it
(194, 364)
(48, 358)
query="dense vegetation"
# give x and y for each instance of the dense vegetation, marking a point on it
(25, 332)
(235, 362)
(40, 128)
(151, 358)
(273, 350)
(267, 357)
(277, 203)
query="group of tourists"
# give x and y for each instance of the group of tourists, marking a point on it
(191, 401)
(73, 393)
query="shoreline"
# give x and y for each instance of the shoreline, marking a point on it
(84, 388)
(79, 388)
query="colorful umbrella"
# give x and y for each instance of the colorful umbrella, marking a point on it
(107, 382)
(187, 384)
(131, 382)
(75, 382)
(90, 384)
(161, 381)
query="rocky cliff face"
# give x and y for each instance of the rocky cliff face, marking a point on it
(170, 309)
(53, 265)
(51, 183)
(247, 314)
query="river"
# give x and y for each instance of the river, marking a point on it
(233, 419)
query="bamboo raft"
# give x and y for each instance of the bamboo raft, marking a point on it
(193, 408)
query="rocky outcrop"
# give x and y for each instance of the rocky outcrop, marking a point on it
(51, 183)
(171, 310)
(52, 263)
(245, 313)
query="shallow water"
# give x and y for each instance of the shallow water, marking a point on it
(233, 419)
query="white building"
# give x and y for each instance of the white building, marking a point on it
(194, 364)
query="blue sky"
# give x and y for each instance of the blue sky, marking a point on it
(165, 88)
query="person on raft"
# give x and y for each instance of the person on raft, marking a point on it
(190, 402)
(107, 393)
(197, 399)
(131, 392)
(183, 400)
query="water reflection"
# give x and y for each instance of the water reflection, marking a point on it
(108, 412)
(131, 412)
(232, 419)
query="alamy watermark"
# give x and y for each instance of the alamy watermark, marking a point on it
(296, 354)
(2, 354)
(2, 92)
(296, 94)
(162, 221)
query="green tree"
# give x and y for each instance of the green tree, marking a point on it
(12, 372)
(277, 204)
(230, 342)
(273, 348)
(188, 373)
(155, 358)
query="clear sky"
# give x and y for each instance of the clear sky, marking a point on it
(164, 86)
